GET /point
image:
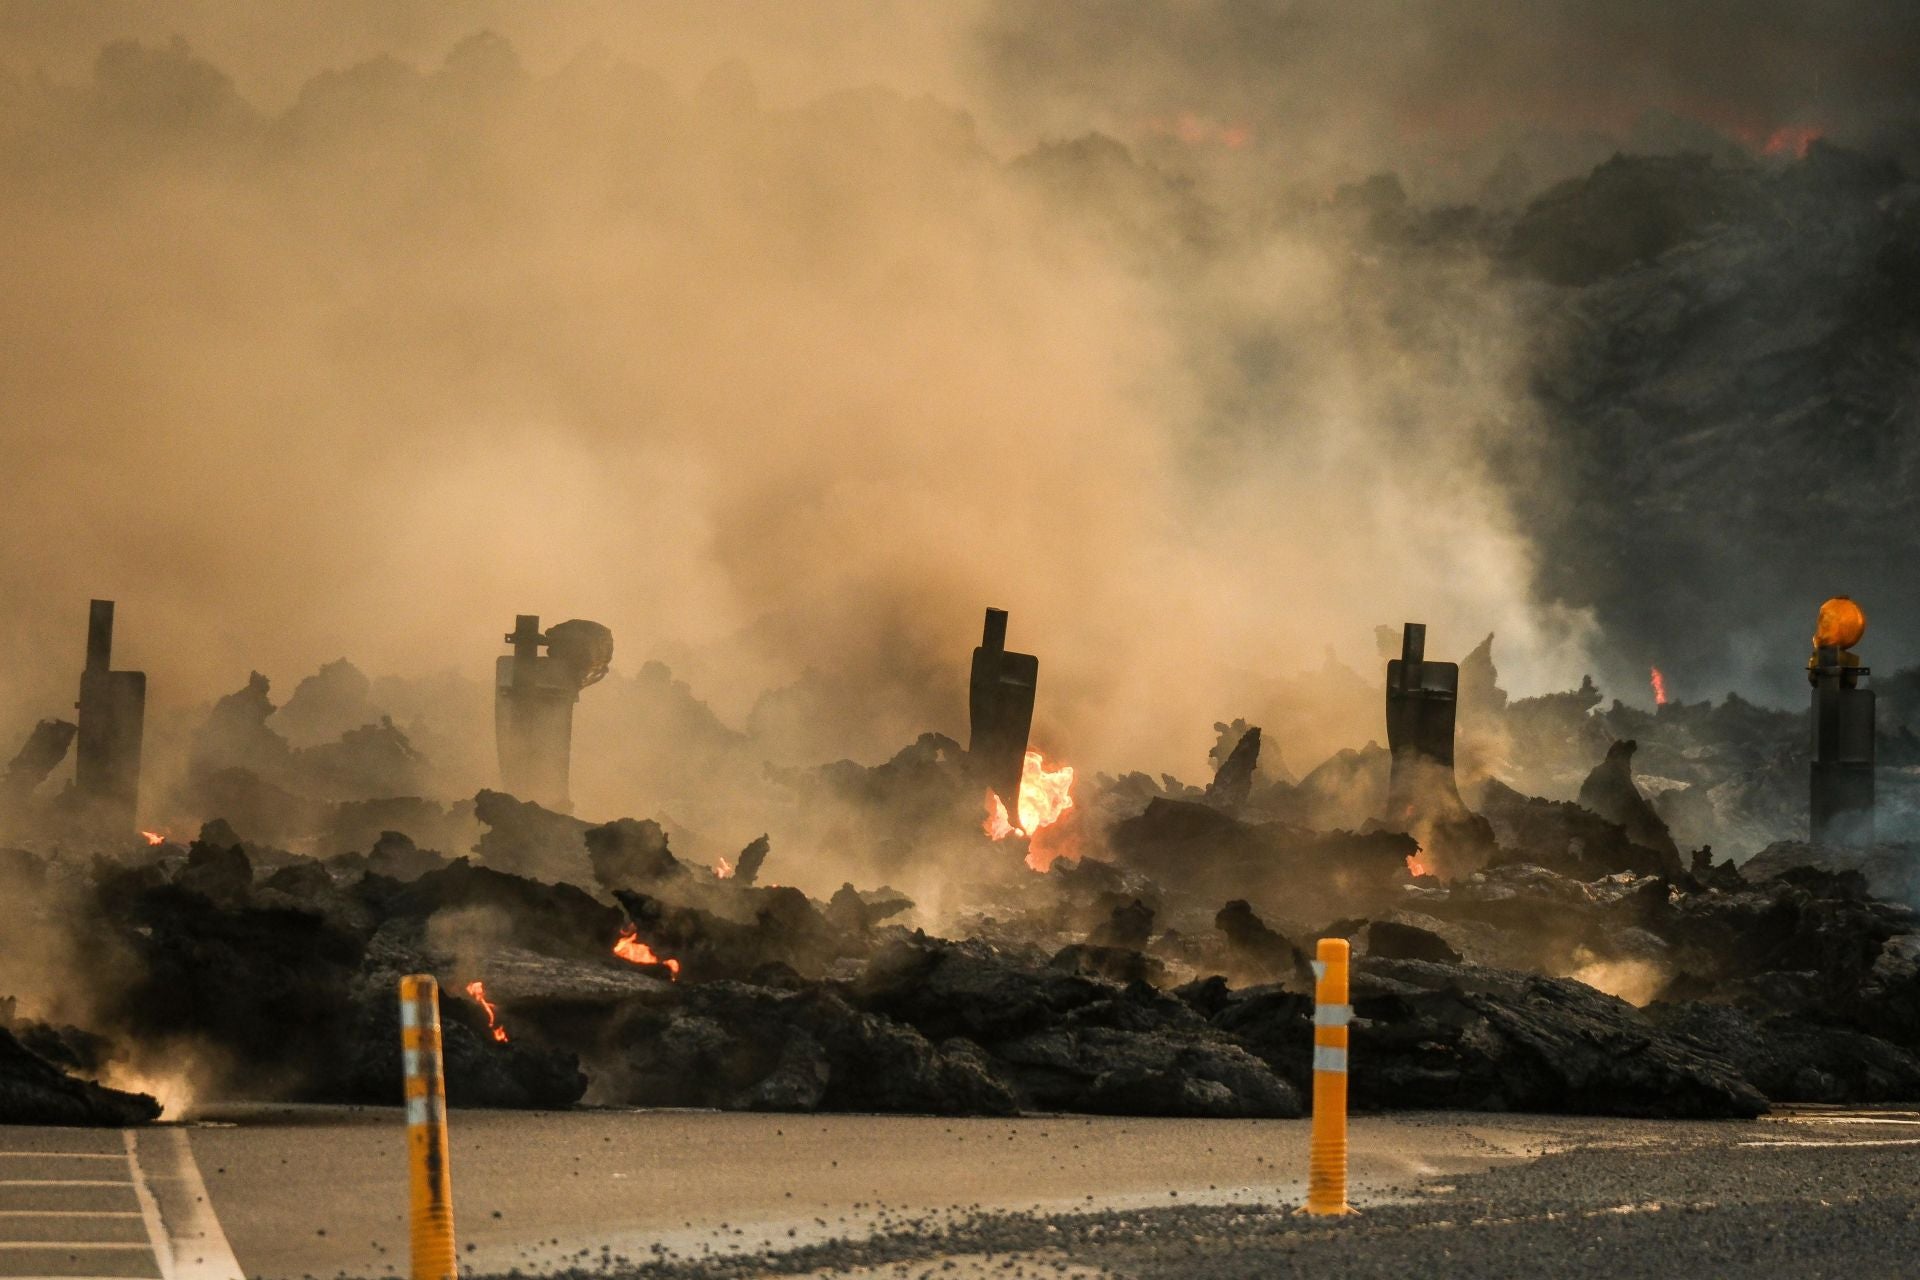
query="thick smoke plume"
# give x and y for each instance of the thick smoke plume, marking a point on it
(673, 319)
(1440, 92)
(783, 393)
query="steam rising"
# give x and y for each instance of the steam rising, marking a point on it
(780, 354)
(781, 393)
(782, 340)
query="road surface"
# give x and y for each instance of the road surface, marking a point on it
(289, 1192)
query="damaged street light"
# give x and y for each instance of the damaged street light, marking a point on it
(1421, 701)
(1840, 789)
(1000, 710)
(533, 702)
(113, 709)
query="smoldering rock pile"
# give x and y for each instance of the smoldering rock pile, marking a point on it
(1571, 957)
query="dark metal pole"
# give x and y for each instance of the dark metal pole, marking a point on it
(100, 635)
(994, 637)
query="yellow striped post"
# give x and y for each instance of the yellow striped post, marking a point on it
(1327, 1167)
(426, 1092)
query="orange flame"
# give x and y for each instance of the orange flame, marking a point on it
(629, 948)
(478, 990)
(996, 826)
(1045, 794)
(155, 837)
(723, 869)
(1415, 867)
(1659, 688)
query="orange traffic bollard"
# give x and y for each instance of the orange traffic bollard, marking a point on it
(432, 1190)
(1327, 1167)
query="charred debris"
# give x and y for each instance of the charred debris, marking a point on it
(1515, 951)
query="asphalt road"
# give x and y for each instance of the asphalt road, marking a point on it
(689, 1195)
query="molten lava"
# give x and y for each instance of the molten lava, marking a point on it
(478, 990)
(723, 869)
(155, 837)
(1842, 623)
(1659, 688)
(629, 948)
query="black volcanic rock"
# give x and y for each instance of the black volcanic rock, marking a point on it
(1233, 781)
(527, 840)
(1104, 1071)
(1730, 349)
(268, 988)
(1116, 964)
(396, 856)
(1434, 1035)
(556, 919)
(746, 868)
(222, 873)
(1063, 1040)
(1792, 1060)
(1567, 837)
(1259, 951)
(481, 1071)
(1391, 940)
(1610, 792)
(630, 854)
(1811, 944)
(1208, 853)
(1130, 925)
(1891, 870)
(46, 746)
(1628, 211)
(778, 926)
(34, 1091)
(740, 1046)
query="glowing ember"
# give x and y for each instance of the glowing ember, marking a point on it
(629, 948)
(1415, 867)
(1198, 131)
(155, 837)
(723, 869)
(478, 990)
(1791, 140)
(1659, 688)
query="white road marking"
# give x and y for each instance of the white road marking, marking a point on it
(187, 1239)
(149, 1208)
(1825, 1120)
(43, 1245)
(1836, 1142)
